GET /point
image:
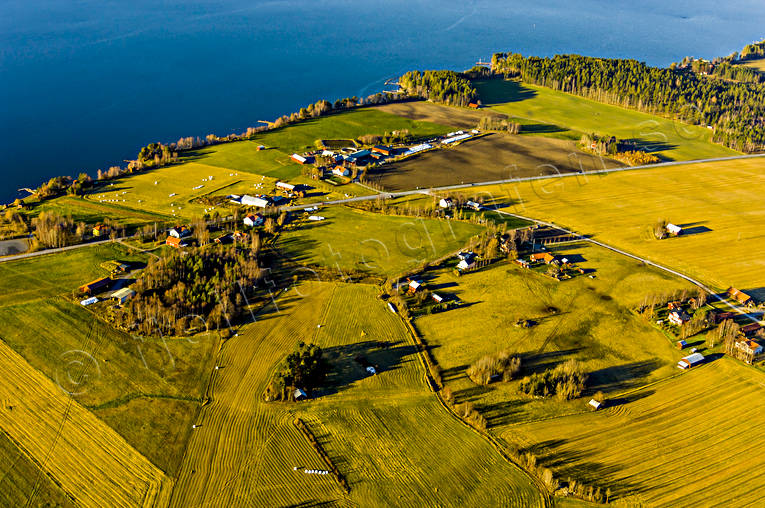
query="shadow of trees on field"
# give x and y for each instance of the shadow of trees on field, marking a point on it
(348, 362)
(621, 377)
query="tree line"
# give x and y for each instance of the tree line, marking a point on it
(735, 110)
(448, 87)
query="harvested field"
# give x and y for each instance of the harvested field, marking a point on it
(461, 118)
(488, 158)
(718, 204)
(687, 441)
(386, 433)
(89, 460)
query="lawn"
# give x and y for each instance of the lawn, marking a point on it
(387, 434)
(682, 442)
(354, 240)
(719, 204)
(583, 318)
(549, 112)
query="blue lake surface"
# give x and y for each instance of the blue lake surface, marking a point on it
(84, 84)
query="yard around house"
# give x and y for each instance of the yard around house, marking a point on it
(586, 319)
(717, 203)
(685, 441)
(386, 433)
(548, 112)
(358, 241)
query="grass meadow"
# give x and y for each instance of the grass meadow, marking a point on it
(137, 382)
(685, 441)
(582, 318)
(386, 433)
(548, 112)
(356, 240)
(717, 203)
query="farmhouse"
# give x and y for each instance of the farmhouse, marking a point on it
(123, 295)
(749, 330)
(96, 286)
(175, 242)
(446, 203)
(719, 317)
(257, 201)
(673, 229)
(180, 232)
(740, 296)
(414, 286)
(101, 230)
(542, 256)
(382, 149)
(678, 317)
(690, 361)
(340, 171)
(748, 347)
(253, 220)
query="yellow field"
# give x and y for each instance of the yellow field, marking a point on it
(719, 204)
(386, 433)
(591, 322)
(89, 460)
(692, 440)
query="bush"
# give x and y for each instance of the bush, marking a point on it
(503, 364)
(566, 381)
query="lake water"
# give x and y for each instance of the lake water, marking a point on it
(85, 83)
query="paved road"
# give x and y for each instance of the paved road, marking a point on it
(638, 258)
(391, 195)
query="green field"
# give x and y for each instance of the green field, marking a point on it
(387, 433)
(355, 240)
(549, 112)
(582, 318)
(718, 203)
(136, 381)
(686, 441)
(281, 143)
(237, 168)
(47, 275)
(18, 474)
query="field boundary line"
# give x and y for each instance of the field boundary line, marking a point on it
(430, 382)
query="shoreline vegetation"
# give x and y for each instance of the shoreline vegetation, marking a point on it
(722, 94)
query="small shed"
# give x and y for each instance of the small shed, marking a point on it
(414, 286)
(674, 229)
(300, 394)
(475, 206)
(89, 301)
(595, 404)
(681, 344)
(437, 298)
(371, 370)
(690, 361)
(298, 158)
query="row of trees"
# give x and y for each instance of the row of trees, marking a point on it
(449, 87)
(54, 230)
(495, 123)
(184, 291)
(736, 110)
